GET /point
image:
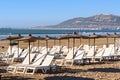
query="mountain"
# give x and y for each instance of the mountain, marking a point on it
(101, 21)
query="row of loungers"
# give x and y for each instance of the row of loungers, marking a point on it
(51, 58)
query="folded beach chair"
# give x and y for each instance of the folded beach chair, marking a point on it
(12, 68)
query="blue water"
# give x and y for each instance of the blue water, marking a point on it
(6, 32)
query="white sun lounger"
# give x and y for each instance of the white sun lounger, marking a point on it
(12, 68)
(99, 53)
(16, 54)
(45, 66)
(9, 54)
(38, 60)
(69, 56)
(107, 52)
(78, 58)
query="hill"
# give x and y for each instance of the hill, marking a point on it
(101, 21)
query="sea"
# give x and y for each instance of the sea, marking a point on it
(5, 32)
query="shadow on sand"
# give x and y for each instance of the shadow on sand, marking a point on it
(112, 70)
(66, 70)
(3, 70)
(66, 78)
(16, 78)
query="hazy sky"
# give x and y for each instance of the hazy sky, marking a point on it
(29, 13)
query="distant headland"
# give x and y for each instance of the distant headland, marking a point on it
(96, 22)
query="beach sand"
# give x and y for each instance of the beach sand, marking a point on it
(100, 71)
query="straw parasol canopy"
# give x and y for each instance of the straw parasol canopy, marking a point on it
(40, 38)
(114, 35)
(107, 35)
(28, 39)
(48, 38)
(93, 36)
(11, 38)
(73, 35)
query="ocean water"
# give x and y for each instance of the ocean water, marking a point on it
(6, 32)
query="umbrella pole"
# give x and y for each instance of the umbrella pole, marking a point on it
(38, 45)
(94, 50)
(107, 42)
(68, 44)
(18, 48)
(29, 51)
(89, 43)
(54, 42)
(80, 41)
(10, 48)
(114, 46)
(47, 45)
(73, 47)
(59, 42)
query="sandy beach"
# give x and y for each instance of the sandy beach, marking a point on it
(100, 71)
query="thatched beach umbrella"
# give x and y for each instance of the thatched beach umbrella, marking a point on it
(28, 39)
(107, 35)
(63, 37)
(40, 38)
(114, 35)
(93, 36)
(11, 38)
(73, 35)
(48, 38)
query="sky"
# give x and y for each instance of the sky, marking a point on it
(30, 13)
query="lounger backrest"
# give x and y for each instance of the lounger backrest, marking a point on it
(16, 54)
(47, 61)
(90, 52)
(57, 50)
(114, 51)
(79, 47)
(86, 48)
(8, 50)
(13, 48)
(38, 60)
(34, 49)
(100, 52)
(107, 51)
(53, 49)
(44, 51)
(26, 60)
(42, 48)
(79, 54)
(24, 53)
(70, 54)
